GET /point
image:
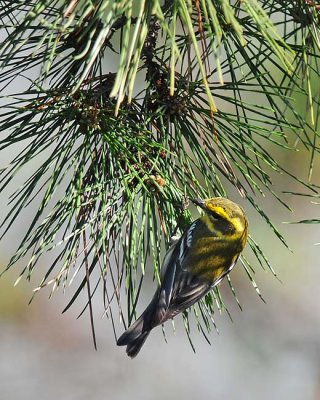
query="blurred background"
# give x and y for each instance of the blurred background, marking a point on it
(269, 351)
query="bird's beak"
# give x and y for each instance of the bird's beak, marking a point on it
(199, 202)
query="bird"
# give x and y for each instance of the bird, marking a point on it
(205, 253)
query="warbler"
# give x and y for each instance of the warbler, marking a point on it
(206, 252)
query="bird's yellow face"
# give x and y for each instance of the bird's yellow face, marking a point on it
(225, 218)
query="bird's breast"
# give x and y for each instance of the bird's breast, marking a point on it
(212, 257)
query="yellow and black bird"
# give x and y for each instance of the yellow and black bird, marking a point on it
(206, 252)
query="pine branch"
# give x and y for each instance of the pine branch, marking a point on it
(113, 163)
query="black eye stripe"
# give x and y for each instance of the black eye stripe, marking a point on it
(215, 215)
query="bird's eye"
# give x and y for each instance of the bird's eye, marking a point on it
(215, 215)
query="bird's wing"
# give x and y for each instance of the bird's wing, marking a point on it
(180, 288)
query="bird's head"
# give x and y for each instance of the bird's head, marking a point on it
(224, 217)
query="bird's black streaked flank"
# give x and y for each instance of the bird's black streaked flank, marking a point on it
(198, 261)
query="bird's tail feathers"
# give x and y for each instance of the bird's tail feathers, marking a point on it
(134, 337)
(134, 346)
(131, 333)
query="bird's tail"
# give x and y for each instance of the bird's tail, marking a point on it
(134, 337)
